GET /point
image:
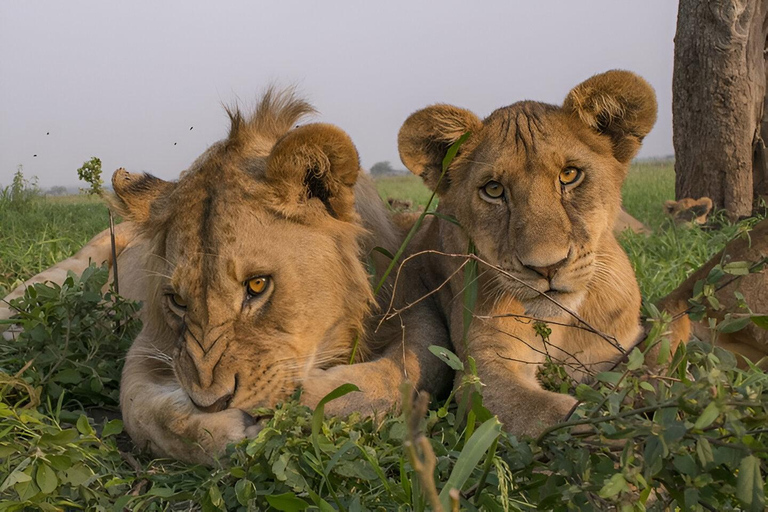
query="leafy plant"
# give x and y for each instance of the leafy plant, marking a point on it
(90, 172)
(673, 430)
(71, 339)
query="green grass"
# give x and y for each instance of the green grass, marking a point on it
(407, 187)
(42, 231)
(697, 435)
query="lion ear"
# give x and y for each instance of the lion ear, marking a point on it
(619, 104)
(315, 162)
(136, 193)
(669, 206)
(700, 209)
(427, 134)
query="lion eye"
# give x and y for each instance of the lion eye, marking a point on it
(177, 300)
(256, 286)
(493, 189)
(570, 176)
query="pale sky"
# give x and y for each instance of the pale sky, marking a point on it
(124, 81)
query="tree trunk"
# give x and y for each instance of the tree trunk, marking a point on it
(718, 102)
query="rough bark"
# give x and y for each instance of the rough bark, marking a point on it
(718, 102)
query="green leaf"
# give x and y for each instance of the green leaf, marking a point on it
(653, 455)
(162, 492)
(698, 289)
(586, 393)
(214, 494)
(317, 416)
(614, 486)
(715, 274)
(612, 378)
(46, 479)
(664, 351)
(244, 491)
(323, 505)
(358, 468)
(17, 476)
(685, 464)
(635, 359)
(451, 153)
(113, 427)
(287, 502)
(447, 357)
(469, 457)
(737, 268)
(749, 484)
(83, 426)
(708, 415)
(761, 321)
(383, 251)
(704, 452)
(731, 324)
(68, 376)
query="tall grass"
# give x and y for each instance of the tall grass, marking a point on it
(37, 232)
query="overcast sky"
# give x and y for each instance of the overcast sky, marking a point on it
(126, 81)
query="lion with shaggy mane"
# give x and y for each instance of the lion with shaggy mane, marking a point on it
(536, 188)
(253, 272)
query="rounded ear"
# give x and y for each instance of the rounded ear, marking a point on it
(315, 161)
(669, 206)
(619, 104)
(426, 136)
(135, 193)
(701, 208)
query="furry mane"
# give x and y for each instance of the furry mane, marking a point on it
(277, 112)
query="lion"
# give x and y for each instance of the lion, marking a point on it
(626, 221)
(253, 269)
(535, 189)
(688, 211)
(751, 342)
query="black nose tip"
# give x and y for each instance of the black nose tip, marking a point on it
(217, 406)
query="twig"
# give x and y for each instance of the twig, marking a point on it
(114, 251)
(417, 447)
(587, 326)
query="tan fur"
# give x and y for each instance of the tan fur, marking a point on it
(625, 221)
(537, 229)
(752, 341)
(689, 211)
(289, 204)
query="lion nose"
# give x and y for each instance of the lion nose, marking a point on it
(547, 271)
(218, 405)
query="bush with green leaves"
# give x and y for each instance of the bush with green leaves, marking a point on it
(72, 337)
(662, 431)
(686, 430)
(90, 172)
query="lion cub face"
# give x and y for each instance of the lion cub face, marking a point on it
(689, 211)
(537, 186)
(254, 263)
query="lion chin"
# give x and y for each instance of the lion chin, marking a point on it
(549, 304)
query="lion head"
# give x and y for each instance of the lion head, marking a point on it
(537, 186)
(689, 211)
(254, 263)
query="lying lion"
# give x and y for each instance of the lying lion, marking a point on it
(688, 211)
(751, 342)
(253, 272)
(535, 189)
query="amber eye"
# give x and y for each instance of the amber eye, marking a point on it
(493, 189)
(177, 300)
(570, 176)
(256, 286)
